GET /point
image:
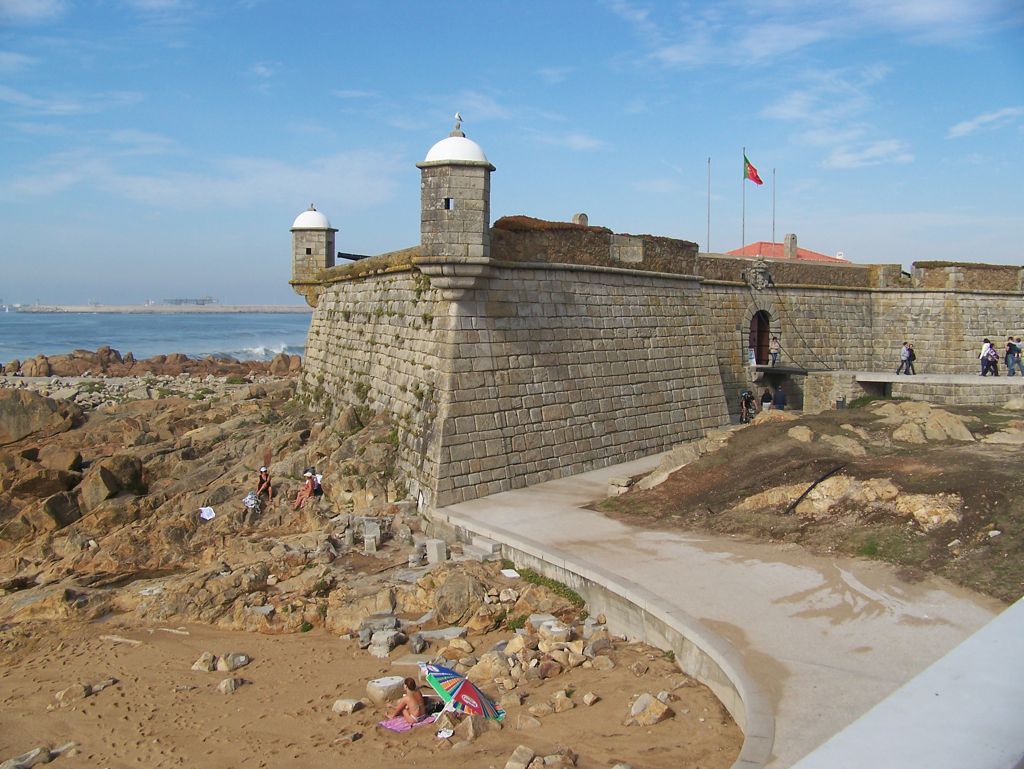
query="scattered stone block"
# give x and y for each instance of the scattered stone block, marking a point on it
(437, 551)
(534, 621)
(229, 685)
(40, 755)
(554, 632)
(525, 722)
(383, 641)
(647, 710)
(541, 709)
(520, 758)
(386, 689)
(232, 661)
(473, 726)
(72, 695)
(639, 668)
(561, 702)
(346, 707)
(417, 643)
(590, 698)
(206, 663)
(602, 663)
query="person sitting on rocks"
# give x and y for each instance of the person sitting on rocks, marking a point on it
(263, 485)
(308, 489)
(411, 707)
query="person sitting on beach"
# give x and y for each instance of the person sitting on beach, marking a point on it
(411, 707)
(263, 485)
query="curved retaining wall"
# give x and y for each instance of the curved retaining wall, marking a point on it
(633, 611)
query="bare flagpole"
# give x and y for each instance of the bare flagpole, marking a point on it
(743, 182)
(773, 206)
(708, 241)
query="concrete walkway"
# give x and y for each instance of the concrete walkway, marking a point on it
(827, 638)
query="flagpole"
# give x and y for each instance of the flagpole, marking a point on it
(708, 241)
(743, 182)
(773, 206)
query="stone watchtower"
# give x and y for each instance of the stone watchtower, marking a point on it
(312, 251)
(455, 199)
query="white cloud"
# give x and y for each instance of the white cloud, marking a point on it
(577, 141)
(11, 61)
(938, 21)
(739, 33)
(985, 122)
(831, 111)
(135, 142)
(355, 180)
(67, 105)
(554, 75)
(883, 152)
(30, 11)
(158, 6)
(263, 69)
(476, 106)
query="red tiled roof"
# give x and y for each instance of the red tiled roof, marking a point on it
(776, 251)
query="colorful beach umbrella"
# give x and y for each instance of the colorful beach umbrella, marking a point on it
(459, 693)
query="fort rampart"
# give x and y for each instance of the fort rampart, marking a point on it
(511, 354)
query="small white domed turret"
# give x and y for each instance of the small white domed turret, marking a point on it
(456, 148)
(455, 198)
(311, 219)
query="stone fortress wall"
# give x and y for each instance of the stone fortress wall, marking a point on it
(530, 350)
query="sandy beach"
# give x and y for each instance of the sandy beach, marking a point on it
(160, 713)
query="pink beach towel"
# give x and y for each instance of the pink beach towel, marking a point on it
(399, 724)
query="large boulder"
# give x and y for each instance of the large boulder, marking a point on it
(37, 366)
(458, 598)
(59, 458)
(109, 477)
(279, 364)
(58, 511)
(44, 483)
(24, 413)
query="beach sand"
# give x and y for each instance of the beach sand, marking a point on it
(163, 714)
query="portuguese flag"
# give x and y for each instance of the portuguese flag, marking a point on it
(749, 172)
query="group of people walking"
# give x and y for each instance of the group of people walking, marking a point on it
(989, 357)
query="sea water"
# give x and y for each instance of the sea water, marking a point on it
(244, 336)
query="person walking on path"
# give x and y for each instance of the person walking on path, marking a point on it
(989, 359)
(774, 349)
(1011, 355)
(1016, 360)
(911, 357)
(904, 366)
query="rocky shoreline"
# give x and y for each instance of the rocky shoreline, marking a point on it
(108, 568)
(106, 361)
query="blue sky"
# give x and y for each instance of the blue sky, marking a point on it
(159, 148)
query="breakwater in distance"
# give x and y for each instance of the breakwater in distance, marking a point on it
(167, 309)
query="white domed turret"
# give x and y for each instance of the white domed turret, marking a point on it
(456, 148)
(312, 248)
(455, 199)
(311, 219)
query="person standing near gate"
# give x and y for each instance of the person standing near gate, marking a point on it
(774, 348)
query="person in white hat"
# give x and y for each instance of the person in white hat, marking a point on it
(307, 489)
(263, 486)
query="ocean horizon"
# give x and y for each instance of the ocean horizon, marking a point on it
(243, 336)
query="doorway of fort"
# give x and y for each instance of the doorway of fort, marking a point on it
(760, 331)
